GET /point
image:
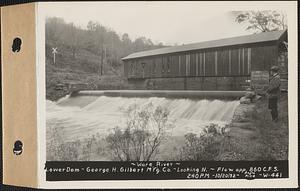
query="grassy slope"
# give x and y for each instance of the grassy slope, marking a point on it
(83, 69)
(254, 136)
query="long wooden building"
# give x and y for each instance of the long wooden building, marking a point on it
(224, 64)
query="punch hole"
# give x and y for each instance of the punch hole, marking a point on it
(18, 147)
(16, 45)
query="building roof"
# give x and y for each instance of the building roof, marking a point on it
(247, 39)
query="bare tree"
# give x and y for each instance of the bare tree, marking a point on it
(263, 21)
(145, 130)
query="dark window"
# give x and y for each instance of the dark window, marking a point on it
(130, 68)
(143, 67)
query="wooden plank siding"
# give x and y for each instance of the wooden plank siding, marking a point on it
(147, 68)
(263, 57)
(158, 62)
(139, 73)
(246, 72)
(249, 60)
(234, 62)
(174, 65)
(153, 68)
(126, 69)
(192, 64)
(182, 65)
(130, 69)
(187, 64)
(209, 64)
(201, 60)
(221, 62)
(164, 66)
(171, 71)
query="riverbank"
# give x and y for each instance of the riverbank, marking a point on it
(254, 136)
(251, 135)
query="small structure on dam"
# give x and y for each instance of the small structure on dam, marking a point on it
(225, 64)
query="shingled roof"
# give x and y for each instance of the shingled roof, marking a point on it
(247, 39)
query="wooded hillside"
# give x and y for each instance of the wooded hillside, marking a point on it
(87, 55)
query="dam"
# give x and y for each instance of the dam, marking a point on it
(88, 113)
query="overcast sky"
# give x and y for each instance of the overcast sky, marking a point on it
(167, 22)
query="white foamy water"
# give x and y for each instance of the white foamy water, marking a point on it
(83, 116)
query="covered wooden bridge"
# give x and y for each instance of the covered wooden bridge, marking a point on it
(225, 64)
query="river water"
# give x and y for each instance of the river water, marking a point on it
(83, 116)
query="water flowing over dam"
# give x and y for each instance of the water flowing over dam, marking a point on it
(81, 116)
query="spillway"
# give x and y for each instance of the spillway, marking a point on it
(82, 116)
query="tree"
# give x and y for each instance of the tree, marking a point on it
(72, 38)
(53, 29)
(126, 47)
(126, 39)
(145, 130)
(95, 39)
(263, 21)
(91, 26)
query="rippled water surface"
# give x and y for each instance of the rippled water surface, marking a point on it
(86, 115)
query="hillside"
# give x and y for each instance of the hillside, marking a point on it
(90, 56)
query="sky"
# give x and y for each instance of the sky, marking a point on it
(168, 22)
